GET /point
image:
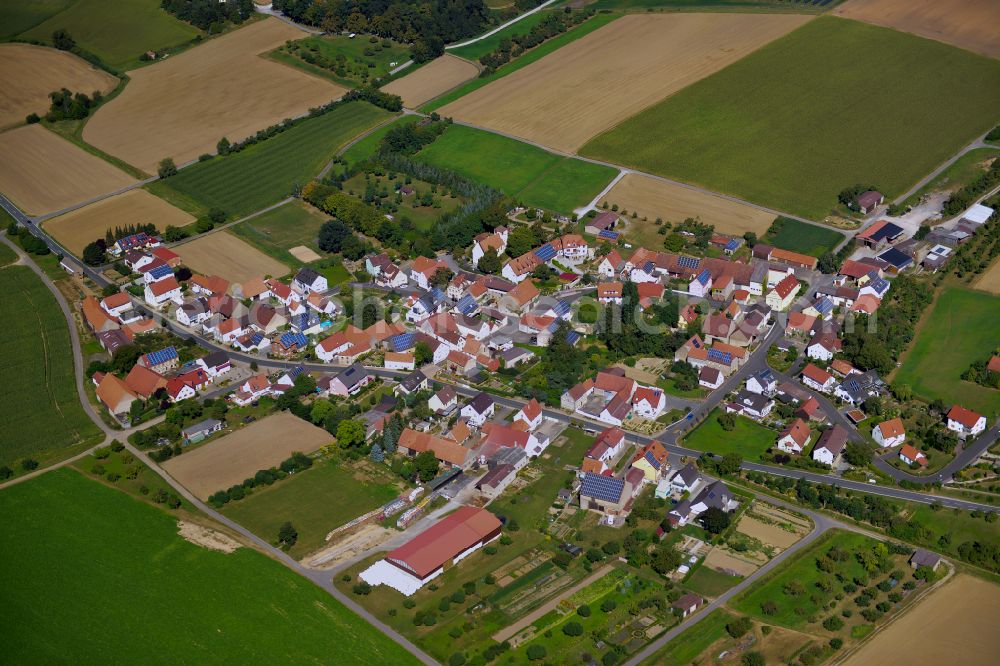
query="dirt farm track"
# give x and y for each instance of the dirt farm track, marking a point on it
(29, 73)
(74, 230)
(182, 106)
(237, 456)
(598, 81)
(431, 80)
(973, 25)
(229, 257)
(41, 172)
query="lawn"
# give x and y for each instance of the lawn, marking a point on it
(267, 172)
(961, 327)
(769, 129)
(366, 147)
(962, 172)
(7, 255)
(315, 501)
(798, 236)
(16, 17)
(748, 438)
(116, 32)
(278, 230)
(534, 55)
(522, 171)
(342, 59)
(683, 649)
(709, 582)
(478, 49)
(70, 543)
(40, 411)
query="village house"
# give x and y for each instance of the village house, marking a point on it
(880, 234)
(816, 378)
(611, 265)
(447, 452)
(911, 456)
(444, 402)
(795, 437)
(414, 382)
(479, 409)
(606, 398)
(762, 382)
(604, 221)
(648, 402)
(607, 446)
(114, 394)
(165, 291)
(530, 414)
(308, 281)
(889, 433)
(607, 495)
(686, 480)
(652, 459)
(754, 405)
(97, 317)
(783, 294)
(196, 432)
(824, 346)
(965, 422)
(350, 381)
(714, 495)
(117, 305)
(858, 387)
(686, 605)
(710, 378)
(423, 269)
(496, 241)
(144, 382)
(831, 445)
(161, 361)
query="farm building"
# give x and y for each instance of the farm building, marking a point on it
(447, 542)
(880, 234)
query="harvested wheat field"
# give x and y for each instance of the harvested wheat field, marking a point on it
(182, 106)
(42, 172)
(29, 73)
(304, 254)
(956, 620)
(230, 459)
(722, 560)
(990, 279)
(229, 257)
(74, 230)
(596, 82)
(653, 198)
(973, 25)
(769, 534)
(431, 80)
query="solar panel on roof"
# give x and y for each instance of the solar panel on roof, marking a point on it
(717, 355)
(161, 356)
(704, 276)
(689, 262)
(732, 244)
(572, 337)
(560, 308)
(610, 235)
(161, 272)
(651, 459)
(402, 342)
(606, 488)
(257, 338)
(696, 343)
(545, 252)
(437, 294)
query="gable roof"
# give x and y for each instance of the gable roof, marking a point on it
(445, 540)
(143, 381)
(891, 428)
(532, 410)
(833, 440)
(798, 430)
(95, 315)
(785, 287)
(817, 374)
(113, 391)
(966, 417)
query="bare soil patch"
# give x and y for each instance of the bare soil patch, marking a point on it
(363, 541)
(227, 256)
(973, 25)
(770, 534)
(207, 538)
(77, 228)
(182, 106)
(596, 82)
(958, 619)
(431, 80)
(652, 198)
(304, 254)
(722, 560)
(233, 458)
(30, 73)
(990, 279)
(42, 172)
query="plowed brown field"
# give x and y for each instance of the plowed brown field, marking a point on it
(76, 229)
(42, 172)
(29, 73)
(654, 198)
(431, 80)
(232, 458)
(598, 81)
(973, 25)
(181, 107)
(229, 257)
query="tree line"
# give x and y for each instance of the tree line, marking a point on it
(210, 15)
(511, 47)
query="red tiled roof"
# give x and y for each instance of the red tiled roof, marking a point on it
(966, 417)
(816, 374)
(891, 428)
(787, 284)
(799, 432)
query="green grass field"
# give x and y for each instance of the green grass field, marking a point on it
(7, 255)
(795, 122)
(40, 412)
(709, 582)
(748, 438)
(964, 170)
(709, 5)
(478, 49)
(268, 171)
(802, 568)
(961, 327)
(367, 146)
(16, 17)
(522, 171)
(90, 572)
(805, 238)
(535, 54)
(315, 501)
(354, 69)
(116, 32)
(278, 230)
(683, 650)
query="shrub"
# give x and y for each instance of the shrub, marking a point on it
(409, 603)
(536, 652)
(458, 597)
(456, 659)
(455, 632)
(739, 627)
(444, 605)
(836, 643)
(753, 659)
(583, 611)
(769, 608)
(362, 589)
(573, 628)
(608, 605)
(833, 623)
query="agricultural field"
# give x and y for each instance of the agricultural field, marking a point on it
(715, 5)
(317, 500)
(16, 17)
(967, 606)
(523, 172)
(959, 328)
(117, 33)
(349, 62)
(968, 24)
(42, 172)
(39, 407)
(74, 230)
(229, 257)
(532, 56)
(796, 236)
(478, 49)
(652, 198)
(437, 77)
(748, 438)
(277, 231)
(154, 118)
(990, 279)
(31, 72)
(265, 173)
(239, 455)
(566, 98)
(711, 133)
(210, 605)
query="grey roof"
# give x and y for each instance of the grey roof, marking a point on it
(715, 495)
(754, 401)
(861, 385)
(306, 276)
(689, 474)
(412, 381)
(216, 358)
(446, 394)
(833, 440)
(508, 455)
(351, 375)
(203, 426)
(496, 476)
(764, 377)
(481, 403)
(516, 353)
(924, 558)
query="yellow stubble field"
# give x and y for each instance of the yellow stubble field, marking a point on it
(431, 80)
